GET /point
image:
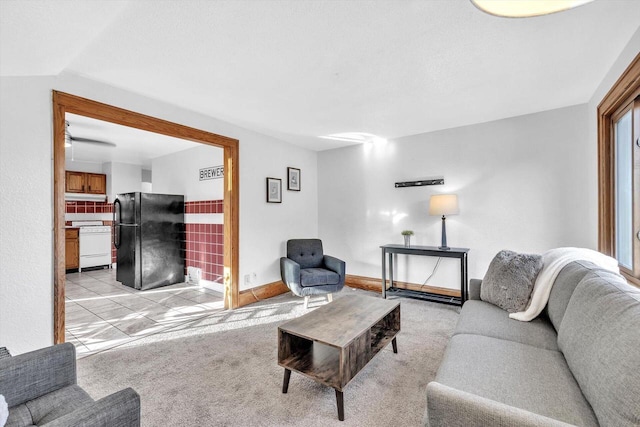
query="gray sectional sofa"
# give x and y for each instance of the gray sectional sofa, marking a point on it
(578, 363)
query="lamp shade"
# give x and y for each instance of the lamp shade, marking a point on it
(444, 204)
(526, 8)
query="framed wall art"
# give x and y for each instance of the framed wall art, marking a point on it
(274, 190)
(293, 179)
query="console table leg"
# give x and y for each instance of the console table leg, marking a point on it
(285, 383)
(340, 403)
(384, 274)
(394, 345)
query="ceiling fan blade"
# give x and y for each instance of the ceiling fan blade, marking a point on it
(92, 141)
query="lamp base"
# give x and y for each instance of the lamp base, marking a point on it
(443, 245)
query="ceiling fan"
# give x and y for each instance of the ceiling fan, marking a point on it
(69, 140)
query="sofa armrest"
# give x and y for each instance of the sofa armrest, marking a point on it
(474, 288)
(449, 407)
(120, 409)
(337, 265)
(290, 273)
(27, 376)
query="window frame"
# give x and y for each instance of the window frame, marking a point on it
(621, 94)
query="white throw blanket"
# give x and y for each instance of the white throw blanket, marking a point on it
(554, 261)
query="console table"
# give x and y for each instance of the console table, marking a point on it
(433, 251)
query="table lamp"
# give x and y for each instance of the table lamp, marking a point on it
(444, 204)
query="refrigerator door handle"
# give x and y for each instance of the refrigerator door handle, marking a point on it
(116, 223)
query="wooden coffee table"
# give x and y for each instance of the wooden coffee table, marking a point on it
(334, 342)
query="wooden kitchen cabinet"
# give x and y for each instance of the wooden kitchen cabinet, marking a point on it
(83, 182)
(74, 182)
(71, 248)
(96, 183)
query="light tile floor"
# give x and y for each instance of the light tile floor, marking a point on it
(102, 313)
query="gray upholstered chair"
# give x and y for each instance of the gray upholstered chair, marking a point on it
(307, 271)
(40, 388)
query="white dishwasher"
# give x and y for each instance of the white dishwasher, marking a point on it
(95, 244)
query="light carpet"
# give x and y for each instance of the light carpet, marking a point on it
(222, 370)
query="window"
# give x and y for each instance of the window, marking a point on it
(619, 172)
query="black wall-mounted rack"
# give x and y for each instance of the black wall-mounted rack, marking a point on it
(439, 181)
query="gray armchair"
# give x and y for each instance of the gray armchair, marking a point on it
(40, 388)
(307, 271)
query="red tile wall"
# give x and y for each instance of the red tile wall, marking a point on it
(204, 207)
(88, 207)
(204, 248)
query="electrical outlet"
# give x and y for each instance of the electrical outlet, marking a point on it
(250, 279)
(194, 274)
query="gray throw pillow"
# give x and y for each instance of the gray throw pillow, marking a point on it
(510, 279)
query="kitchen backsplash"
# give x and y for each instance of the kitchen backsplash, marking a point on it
(204, 207)
(88, 207)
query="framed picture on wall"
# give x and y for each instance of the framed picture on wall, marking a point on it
(274, 190)
(293, 179)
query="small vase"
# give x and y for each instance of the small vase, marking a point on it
(407, 241)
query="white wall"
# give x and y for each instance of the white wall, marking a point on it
(90, 167)
(520, 182)
(26, 197)
(178, 173)
(26, 220)
(122, 178)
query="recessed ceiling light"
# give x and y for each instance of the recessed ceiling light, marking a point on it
(355, 137)
(525, 8)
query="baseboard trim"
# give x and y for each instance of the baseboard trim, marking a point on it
(259, 293)
(372, 284)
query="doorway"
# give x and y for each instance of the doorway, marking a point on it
(64, 103)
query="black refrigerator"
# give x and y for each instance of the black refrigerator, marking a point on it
(149, 239)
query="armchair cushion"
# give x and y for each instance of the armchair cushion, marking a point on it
(53, 405)
(40, 388)
(318, 277)
(306, 252)
(120, 409)
(31, 375)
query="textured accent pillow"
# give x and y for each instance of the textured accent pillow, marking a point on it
(510, 279)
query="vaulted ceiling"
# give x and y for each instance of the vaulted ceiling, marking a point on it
(299, 69)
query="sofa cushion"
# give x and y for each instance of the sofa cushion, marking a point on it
(599, 337)
(483, 318)
(563, 288)
(318, 277)
(510, 279)
(526, 377)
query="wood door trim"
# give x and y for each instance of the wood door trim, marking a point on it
(626, 87)
(65, 103)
